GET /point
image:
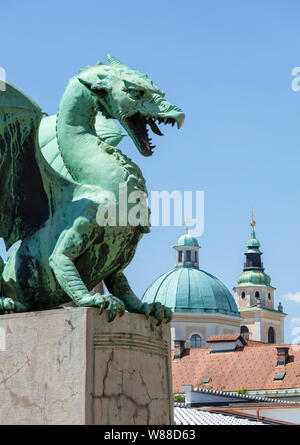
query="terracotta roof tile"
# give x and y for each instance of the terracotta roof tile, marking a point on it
(217, 338)
(255, 343)
(251, 368)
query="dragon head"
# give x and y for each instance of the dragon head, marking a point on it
(131, 98)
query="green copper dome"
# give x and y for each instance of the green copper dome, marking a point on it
(254, 278)
(189, 289)
(186, 240)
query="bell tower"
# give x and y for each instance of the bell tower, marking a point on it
(254, 297)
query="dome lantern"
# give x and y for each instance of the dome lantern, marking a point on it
(187, 248)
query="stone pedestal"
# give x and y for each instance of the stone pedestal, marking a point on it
(71, 367)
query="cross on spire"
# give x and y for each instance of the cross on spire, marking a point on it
(186, 222)
(252, 220)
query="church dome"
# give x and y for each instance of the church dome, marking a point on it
(186, 288)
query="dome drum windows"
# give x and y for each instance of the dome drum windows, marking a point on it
(188, 256)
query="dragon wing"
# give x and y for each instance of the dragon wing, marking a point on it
(106, 129)
(23, 200)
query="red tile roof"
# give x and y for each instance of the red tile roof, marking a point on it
(221, 338)
(250, 367)
(256, 343)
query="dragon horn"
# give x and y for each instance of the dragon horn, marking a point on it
(115, 62)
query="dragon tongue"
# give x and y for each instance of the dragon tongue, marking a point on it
(154, 127)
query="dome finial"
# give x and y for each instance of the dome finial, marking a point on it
(186, 222)
(252, 221)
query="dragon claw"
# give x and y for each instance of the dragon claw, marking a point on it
(6, 304)
(111, 317)
(101, 310)
(111, 304)
(122, 312)
(159, 311)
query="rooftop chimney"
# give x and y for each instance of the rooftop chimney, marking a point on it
(282, 355)
(179, 346)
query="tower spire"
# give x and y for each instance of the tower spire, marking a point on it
(253, 223)
(253, 271)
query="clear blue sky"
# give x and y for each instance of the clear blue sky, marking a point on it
(228, 66)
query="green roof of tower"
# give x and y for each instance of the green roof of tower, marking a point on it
(253, 242)
(187, 240)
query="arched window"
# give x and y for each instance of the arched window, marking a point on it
(269, 296)
(196, 341)
(243, 295)
(271, 335)
(245, 332)
(257, 295)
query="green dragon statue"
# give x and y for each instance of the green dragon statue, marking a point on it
(53, 172)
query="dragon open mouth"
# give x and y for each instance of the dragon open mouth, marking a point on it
(137, 124)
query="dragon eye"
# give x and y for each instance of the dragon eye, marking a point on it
(135, 93)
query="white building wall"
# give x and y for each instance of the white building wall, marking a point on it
(178, 330)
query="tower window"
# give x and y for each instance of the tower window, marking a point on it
(269, 296)
(243, 295)
(180, 256)
(188, 255)
(196, 341)
(257, 295)
(271, 335)
(196, 256)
